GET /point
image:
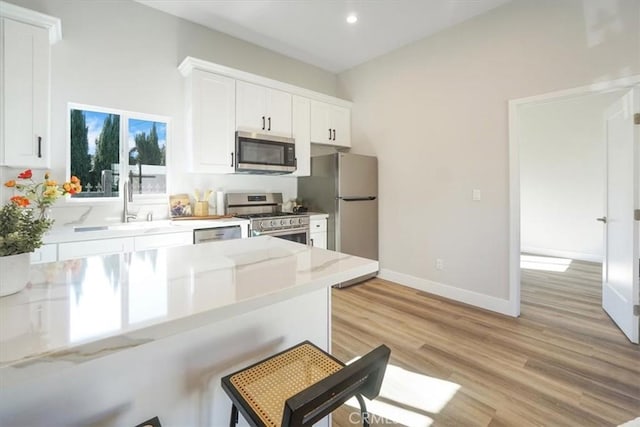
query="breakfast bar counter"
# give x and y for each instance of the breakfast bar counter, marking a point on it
(117, 339)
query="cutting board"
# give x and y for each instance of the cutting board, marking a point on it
(186, 218)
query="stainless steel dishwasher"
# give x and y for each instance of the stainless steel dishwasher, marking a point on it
(205, 235)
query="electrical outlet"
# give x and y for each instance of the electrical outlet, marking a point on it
(476, 195)
(439, 264)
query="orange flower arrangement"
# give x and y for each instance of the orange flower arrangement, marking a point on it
(24, 221)
(41, 194)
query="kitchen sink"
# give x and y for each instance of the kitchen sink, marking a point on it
(91, 228)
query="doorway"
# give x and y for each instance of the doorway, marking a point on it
(573, 211)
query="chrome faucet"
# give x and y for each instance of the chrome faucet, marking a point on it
(128, 198)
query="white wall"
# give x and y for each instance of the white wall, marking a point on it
(436, 114)
(562, 148)
(123, 55)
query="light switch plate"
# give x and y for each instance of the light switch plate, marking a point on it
(477, 195)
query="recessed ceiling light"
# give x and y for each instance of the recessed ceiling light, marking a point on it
(352, 19)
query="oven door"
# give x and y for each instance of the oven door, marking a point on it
(298, 235)
(264, 154)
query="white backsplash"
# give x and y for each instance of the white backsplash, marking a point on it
(74, 213)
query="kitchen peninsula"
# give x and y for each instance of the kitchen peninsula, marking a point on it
(117, 339)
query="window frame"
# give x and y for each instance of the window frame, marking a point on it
(123, 152)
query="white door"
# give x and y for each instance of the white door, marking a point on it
(340, 121)
(302, 135)
(620, 267)
(279, 113)
(213, 123)
(251, 107)
(320, 128)
(26, 94)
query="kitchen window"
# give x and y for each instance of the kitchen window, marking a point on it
(108, 147)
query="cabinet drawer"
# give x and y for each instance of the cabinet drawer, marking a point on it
(318, 225)
(83, 249)
(45, 253)
(143, 243)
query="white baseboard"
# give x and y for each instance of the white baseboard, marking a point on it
(499, 305)
(580, 256)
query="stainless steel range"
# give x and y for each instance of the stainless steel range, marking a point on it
(264, 210)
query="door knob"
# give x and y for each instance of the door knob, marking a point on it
(602, 219)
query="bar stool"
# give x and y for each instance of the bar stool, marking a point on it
(302, 385)
(153, 422)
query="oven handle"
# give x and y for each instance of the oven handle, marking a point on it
(276, 233)
(256, 233)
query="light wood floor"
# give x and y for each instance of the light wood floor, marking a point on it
(562, 363)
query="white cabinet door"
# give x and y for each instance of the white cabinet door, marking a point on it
(320, 128)
(70, 250)
(45, 253)
(251, 107)
(318, 232)
(25, 102)
(330, 124)
(143, 243)
(302, 134)
(319, 240)
(340, 121)
(279, 112)
(263, 110)
(211, 122)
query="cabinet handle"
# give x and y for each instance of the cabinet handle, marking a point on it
(262, 122)
(334, 134)
(39, 147)
(329, 134)
(269, 123)
(231, 159)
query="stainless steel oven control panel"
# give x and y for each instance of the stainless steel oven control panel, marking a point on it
(283, 223)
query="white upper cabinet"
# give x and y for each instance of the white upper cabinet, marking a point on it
(302, 135)
(262, 109)
(330, 124)
(221, 100)
(210, 122)
(25, 37)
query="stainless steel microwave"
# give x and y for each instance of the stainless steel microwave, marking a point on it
(265, 154)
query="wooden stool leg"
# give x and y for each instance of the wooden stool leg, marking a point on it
(363, 411)
(234, 416)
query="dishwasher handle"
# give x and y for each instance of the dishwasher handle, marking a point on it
(205, 235)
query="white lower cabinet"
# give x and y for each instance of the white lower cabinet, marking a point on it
(318, 232)
(45, 253)
(143, 243)
(71, 250)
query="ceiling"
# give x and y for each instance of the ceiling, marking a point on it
(316, 31)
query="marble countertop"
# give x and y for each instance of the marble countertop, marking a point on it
(317, 215)
(138, 228)
(78, 310)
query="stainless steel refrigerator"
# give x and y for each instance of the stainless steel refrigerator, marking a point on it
(345, 186)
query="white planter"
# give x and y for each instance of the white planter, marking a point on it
(15, 273)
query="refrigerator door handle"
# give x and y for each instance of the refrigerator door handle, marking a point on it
(357, 199)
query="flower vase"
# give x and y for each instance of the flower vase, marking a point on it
(15, 273)
(46, 214)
